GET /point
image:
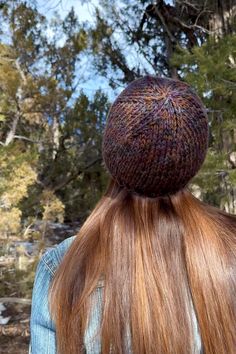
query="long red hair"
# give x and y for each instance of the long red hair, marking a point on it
(159, 258)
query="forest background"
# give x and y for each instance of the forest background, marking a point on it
(59, 73)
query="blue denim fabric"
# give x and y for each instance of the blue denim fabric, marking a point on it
(42, 328)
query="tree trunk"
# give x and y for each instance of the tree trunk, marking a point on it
(11, 133)
(55, 136)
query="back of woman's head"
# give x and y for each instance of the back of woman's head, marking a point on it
(167, 259)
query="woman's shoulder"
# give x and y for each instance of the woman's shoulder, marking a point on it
(54, 254)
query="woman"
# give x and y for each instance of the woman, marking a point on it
(153, 269)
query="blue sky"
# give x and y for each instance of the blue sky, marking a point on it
(84, 13)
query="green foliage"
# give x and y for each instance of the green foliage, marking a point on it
(210, 69)
(18, 281)
(17, 175)
(52, 130)
(53, 208)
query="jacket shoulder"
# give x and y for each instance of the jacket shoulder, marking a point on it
(53, 255)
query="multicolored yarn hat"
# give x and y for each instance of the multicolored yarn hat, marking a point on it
(156, 136)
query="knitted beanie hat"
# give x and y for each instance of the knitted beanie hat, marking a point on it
(156, 136)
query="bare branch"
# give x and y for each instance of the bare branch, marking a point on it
(22, 74)
(16, 300)
(25, 138)
(11, 133)
(193, 6)
(172, 38)
(232, 83)
(195, 25)
(75, 175)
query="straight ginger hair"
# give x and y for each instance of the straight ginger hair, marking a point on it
(158, 257)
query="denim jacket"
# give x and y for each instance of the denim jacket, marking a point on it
(42, 328)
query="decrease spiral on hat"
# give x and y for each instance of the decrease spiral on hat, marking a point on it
(156, 136)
